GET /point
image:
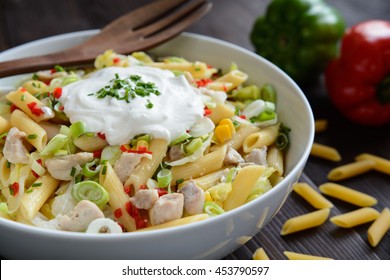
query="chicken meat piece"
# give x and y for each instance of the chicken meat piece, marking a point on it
(233, 157)
(175, 153)
(126, 164)
(144, 199)
(167, 208)
(14, 150)
(80, 217)
(61, 167)
(258, 156)
(193, 198)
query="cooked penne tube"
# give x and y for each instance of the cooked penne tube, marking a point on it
(312, 196)
(320, 125)
(210, 179)
(242, 186)
(381, 164)
(23, 122)
(179, 222)
(4, 125)
(242, 132)
(147, 167)
(37, 194)
(34, 87)
(306, 221)
(264, 137)
(234, 77)
(90, 143)
(324, 151)
(205, 165)
(355, 218)
(379, 227)
(351, 170)
(118, 198)
(275, 159)
(298, 256)
(197, 69)
(30, 105)
(260, 254)
(348, 195)
(220, 112)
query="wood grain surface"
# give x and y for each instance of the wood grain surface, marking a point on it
(22, 21)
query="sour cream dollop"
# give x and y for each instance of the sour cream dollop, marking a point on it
(174, 111)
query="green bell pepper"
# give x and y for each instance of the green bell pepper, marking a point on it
(299, 36)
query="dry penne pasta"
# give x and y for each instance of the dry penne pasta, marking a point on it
(312, 196)
(320, 125)
(305, 221)
(348, 195)
(324, 151)
(242, 186)
(299, 256)
(379, 227)
(351, 169)
(381, 164)
(355, 218)
(260, 254)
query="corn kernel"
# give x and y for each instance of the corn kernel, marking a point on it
(223, 133)
(230, 124)
(207, 197)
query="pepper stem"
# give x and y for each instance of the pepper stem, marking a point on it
(383, 90)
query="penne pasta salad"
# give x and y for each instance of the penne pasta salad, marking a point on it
(136, 143)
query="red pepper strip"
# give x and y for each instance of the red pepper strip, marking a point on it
(35, 174)
(116, 60)
(57, 92)
(35, 110)
(101, 135)
(203, 82)
(14, 189)
(358, 82)
(140, 150)
(13, 107)
(23, 89)
(135, 214)
(207, 112)
(161, 191)
(127, 189)
(97, 154)
(118, 213)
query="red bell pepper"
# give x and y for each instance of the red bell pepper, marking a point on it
(358, 81)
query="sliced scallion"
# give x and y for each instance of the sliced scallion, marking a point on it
(194, 145)
(77, 129)
(92, 191)
(55, 144)
(213, 209)
(164, 178)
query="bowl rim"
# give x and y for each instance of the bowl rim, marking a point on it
(178, 229)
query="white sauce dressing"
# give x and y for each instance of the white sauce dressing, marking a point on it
(176, 110)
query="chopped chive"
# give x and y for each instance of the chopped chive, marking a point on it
(34, 185)
(73, 171)
(32, 136)
(104, 170)
(179, 181)
(30, 190)
(23, 97)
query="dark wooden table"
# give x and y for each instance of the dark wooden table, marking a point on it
(22, 21)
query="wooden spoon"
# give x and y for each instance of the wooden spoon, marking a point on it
(140, 29)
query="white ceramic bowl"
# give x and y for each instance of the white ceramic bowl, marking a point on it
(209, 239)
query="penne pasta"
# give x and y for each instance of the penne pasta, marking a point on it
(311, 196)
(30, 105)
(379, 227)
(23, 122)
(34, 87)
(306, 221)
(238, 138)
(351, 170)
(147, 167)
(220, 112)
(205, 165)
(381, 164)
(264, 137)
(90, 143)
(298, 256)
(234, 78)
(348, 195)
(260, 254)
(324, 151)
(179, 222)
(210, 179)
(118, 198)
(355, 218)
(38, 193)
(275, 159)
(320, 125)
(242, 186)
(4, 125)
